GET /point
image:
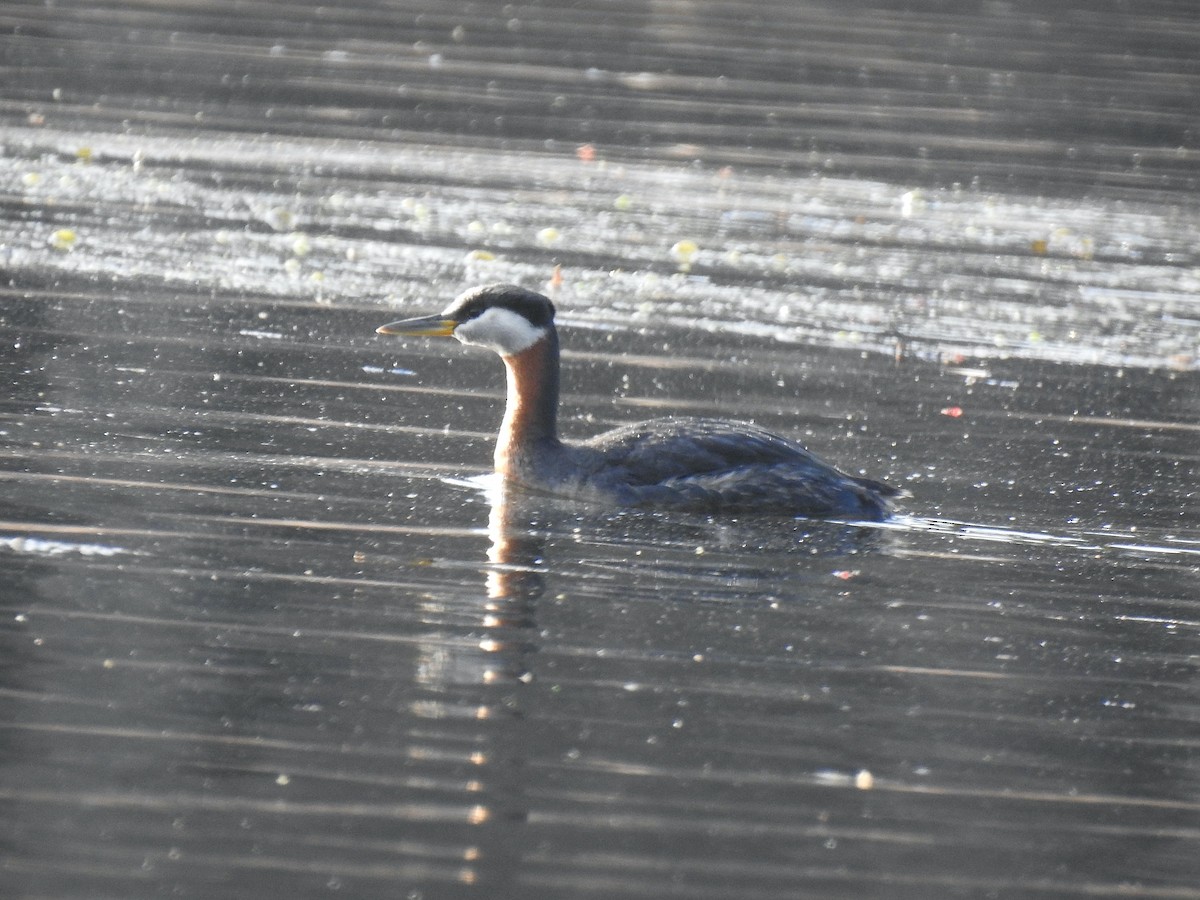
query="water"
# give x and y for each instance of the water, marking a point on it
(267, 625)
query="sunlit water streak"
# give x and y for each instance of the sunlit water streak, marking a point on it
(885, 268)
(42, 547)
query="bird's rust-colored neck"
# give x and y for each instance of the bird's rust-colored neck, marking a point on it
(531, 411)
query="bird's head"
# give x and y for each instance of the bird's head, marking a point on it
(505, 318)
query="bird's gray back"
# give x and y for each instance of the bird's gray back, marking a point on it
(709, 464)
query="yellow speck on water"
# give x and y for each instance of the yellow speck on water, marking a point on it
(623, 202)
(31, 179)
(84, 154)
(63, 239)
(283, 780)
(480, 256)
(864, 780)
(548, 236)
(684, 252)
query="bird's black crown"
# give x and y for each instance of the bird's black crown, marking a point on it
(524, 302)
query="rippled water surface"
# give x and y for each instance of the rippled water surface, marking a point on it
(269, 627)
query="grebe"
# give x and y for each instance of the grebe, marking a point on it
(703, 465)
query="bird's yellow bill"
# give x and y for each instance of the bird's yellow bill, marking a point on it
(424, 326)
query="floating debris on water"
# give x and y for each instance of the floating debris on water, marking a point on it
(414, 207)
(912, 203)
(280, 218)
(684, 253)
(301, 245)
(63, 239)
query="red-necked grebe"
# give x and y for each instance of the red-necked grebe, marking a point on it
(705, 465)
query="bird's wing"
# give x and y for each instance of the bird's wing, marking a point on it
(660, 449)
(705, 463)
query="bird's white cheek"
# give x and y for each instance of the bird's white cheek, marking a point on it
(500, 330)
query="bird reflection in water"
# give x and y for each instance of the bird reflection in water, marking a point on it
(484, 678)
(515, 582)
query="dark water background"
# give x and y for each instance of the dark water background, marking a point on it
(265, 631)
